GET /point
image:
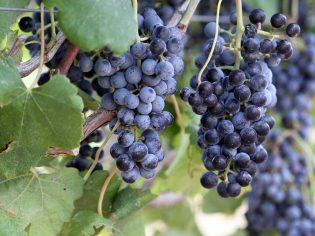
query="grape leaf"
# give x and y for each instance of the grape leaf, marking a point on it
(84, 223)
(31, 120)
(9, 225)
(92, 189)
(93, 24)
(129, 200)
(7, 18)
(41, 202)
(212, 203)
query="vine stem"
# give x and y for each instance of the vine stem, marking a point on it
(177, 111)
(268, 34)
(42, 46)
(213, 44)
(52, 19)
(135, 16)
(239, 32)
(99, 150)
(188, 15)
(112, 172)
(68, 59)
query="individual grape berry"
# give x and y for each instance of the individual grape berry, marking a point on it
(125, 163)
(257, 16)
(293, 30)
(137, 151)
(278, 20)
(125, 138)
(107, 102)
(26, 24)
(116, 150)
(131, 176)
(150, 162)
(209, 180)
(102, 67)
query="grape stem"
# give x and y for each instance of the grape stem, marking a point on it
(67, 60)
(180, 11)
(52, 20)
(99, 150)
(177, 111)
(268, 34)
(183, 24)
(213, 43)
(42, 46)
(135, 16)
(32, 64)
(239, 32)
(112, 172)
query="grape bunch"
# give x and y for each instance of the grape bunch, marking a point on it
(135, 85)
(277, 202)
(295, 82)
(233, 101)
(138, 90)
(87, 153)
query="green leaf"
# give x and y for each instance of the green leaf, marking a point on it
(33, 120)
(88, 101)
(41, 202)
(9, 225)
(92, 189)
(212, 203)
(7, 18)
(93, 24)
(129, 200)
(84, 223)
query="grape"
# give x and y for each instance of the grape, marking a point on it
(148, 66)
(147, 174)
(120, 95)
(144, 108)
(104, 82)
(138, 151)
(153, 144)
(171, 86)
(131, 176)
(209, 180)
(158, 104)
(147, 94)
(85, 64)
(158, 46)
(116, 150)
(118, 80)
(164, 70)
(293, 30)
(178, 64)
(133, 75)
(161, 32)
(257, 16)
(278, 20)
(142, 121)
(85, 150)
(126, 116)
(80, 163)
(174, 45)
(150, 162)
(102, 67)
(131, 101)
(140, 50)
(117, 61)
(125, 163)
(125, 138)
(150, 81)
(26, 24)
(209, 29)
(108, 102)
(161, 88)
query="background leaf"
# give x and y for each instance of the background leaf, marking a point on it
(9, 225)
(93, 24)
(84, 223)
(7, 18)
(92, 189)
(43, 201)
(33, 120)
(129, 200)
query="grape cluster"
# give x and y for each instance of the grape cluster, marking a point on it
(138, 90)
(295, 82)
(135, 85)
(87, 153)
(233, 102)
(276, 202)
